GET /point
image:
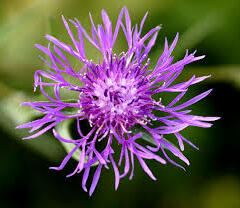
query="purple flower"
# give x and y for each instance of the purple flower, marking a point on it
(116, 97)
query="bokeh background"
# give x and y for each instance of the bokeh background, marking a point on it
(212, 180)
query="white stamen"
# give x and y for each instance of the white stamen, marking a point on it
(125, 130)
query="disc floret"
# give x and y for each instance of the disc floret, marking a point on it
(116, 95)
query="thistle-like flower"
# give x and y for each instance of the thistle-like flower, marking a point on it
(116, 97)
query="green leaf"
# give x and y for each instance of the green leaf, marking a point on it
(24, 17)
(195, 34)
(49, 30)
(12, 115)
(145, 135)
(63, 130)
(199, 31)
(148, 137)
(223, 73)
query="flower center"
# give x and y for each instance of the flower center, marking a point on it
(118, 98)
(115, 96)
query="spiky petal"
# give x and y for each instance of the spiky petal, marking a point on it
(115, 96)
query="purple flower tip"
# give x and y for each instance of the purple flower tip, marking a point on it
(116, 97)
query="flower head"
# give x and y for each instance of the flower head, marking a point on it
(115, 97)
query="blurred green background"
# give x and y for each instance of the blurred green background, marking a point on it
(212, 180)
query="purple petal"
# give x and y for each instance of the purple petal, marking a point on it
(145, 167)
(175, 151)
(117, 177)
(192, 101)
(95, 179)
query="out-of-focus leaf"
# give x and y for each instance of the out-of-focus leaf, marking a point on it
(63, 130)
(224, 73)
(18, 33)
(147, 137)
(13, 115)
(195, 34)
(198, 32)
(25, 16)
(49, 30)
